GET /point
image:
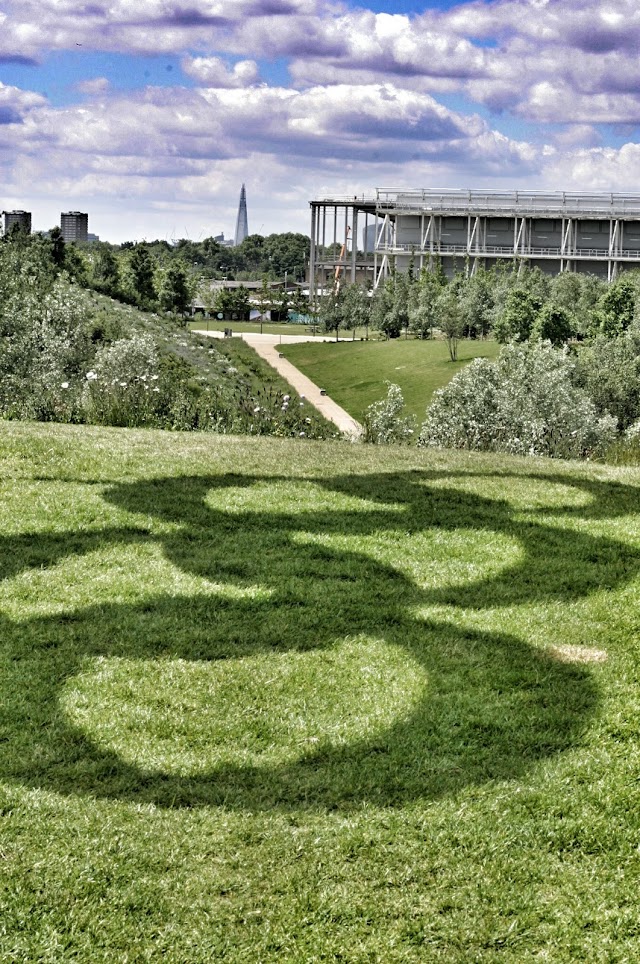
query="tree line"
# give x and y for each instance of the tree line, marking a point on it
(509, 302)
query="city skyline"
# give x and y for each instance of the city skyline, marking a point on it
(151, 120)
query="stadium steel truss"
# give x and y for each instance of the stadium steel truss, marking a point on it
(463, 230)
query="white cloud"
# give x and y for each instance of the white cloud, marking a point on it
(93, 85)
(214, 72)
(363, 107)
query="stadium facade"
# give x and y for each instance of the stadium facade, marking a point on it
(463, 230)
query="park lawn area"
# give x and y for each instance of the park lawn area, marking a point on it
(269, 700)
(354, 372)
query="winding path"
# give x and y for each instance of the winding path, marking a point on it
(267, 346)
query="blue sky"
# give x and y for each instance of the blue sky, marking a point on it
(150, 115)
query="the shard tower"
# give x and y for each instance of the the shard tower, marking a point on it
(242, 226)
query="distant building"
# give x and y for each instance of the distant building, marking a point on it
(16, 219)
(74, 226)
(452, 230)
(369, 236)
(92, 237)
(222, 241)
(242, 225)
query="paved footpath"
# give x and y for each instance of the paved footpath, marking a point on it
(267, 346)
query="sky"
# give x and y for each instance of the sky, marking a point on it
(151, 114)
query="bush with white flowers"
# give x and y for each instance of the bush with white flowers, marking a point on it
(384, 422)
(524, 403)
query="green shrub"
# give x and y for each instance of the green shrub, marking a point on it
(609, 372)
(522, 403)
(384, 421)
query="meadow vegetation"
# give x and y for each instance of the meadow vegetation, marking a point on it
(69, 354)
(265, 700)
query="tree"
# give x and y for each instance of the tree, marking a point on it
(141, 267)
(75, 264)
(357, 307)
(381, 304)
(617, 307)
(609, 371)
(422, 304)
(553, 324)
(58, 246)
(450, 320)
(233, 303)
(106, 271)
(286, 253)
(332, 310)
(390, 308)
(477, 304)
(174, 288)
(518, 316)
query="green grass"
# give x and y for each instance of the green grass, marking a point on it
(354, 373)
(276, 701)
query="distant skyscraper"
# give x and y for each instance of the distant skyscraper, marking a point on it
(74, 225)
(16, 219)
(242, 226)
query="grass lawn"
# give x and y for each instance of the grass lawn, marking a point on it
(276, 701)
(354, 373)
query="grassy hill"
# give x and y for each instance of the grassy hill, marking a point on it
(280, 701)
(354, 373)
(229, 374)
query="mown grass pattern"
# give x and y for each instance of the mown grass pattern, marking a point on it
(268, 701)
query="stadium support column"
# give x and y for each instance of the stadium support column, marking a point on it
(615, 247)
(312, 255)
(567, 250)
(475, 240)
(521, 236)
(354, 243)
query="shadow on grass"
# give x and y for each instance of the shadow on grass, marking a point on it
(492, 706)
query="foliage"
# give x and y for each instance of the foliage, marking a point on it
(423, 297)
(609, 372)
(333, 309)
(516, 320)
(450, 319)
(553, 324)
(105, 270)
(120, 388)
(390, 308)
(174, 288)
(385, 421)
(141, 268)
(477, 304)
(357, 306)
(71, 355)
(232, 303)
(523, 403)
(616, 306)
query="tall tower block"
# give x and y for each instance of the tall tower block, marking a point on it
(242, 226)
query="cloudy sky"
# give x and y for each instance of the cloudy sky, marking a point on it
(150, 114)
